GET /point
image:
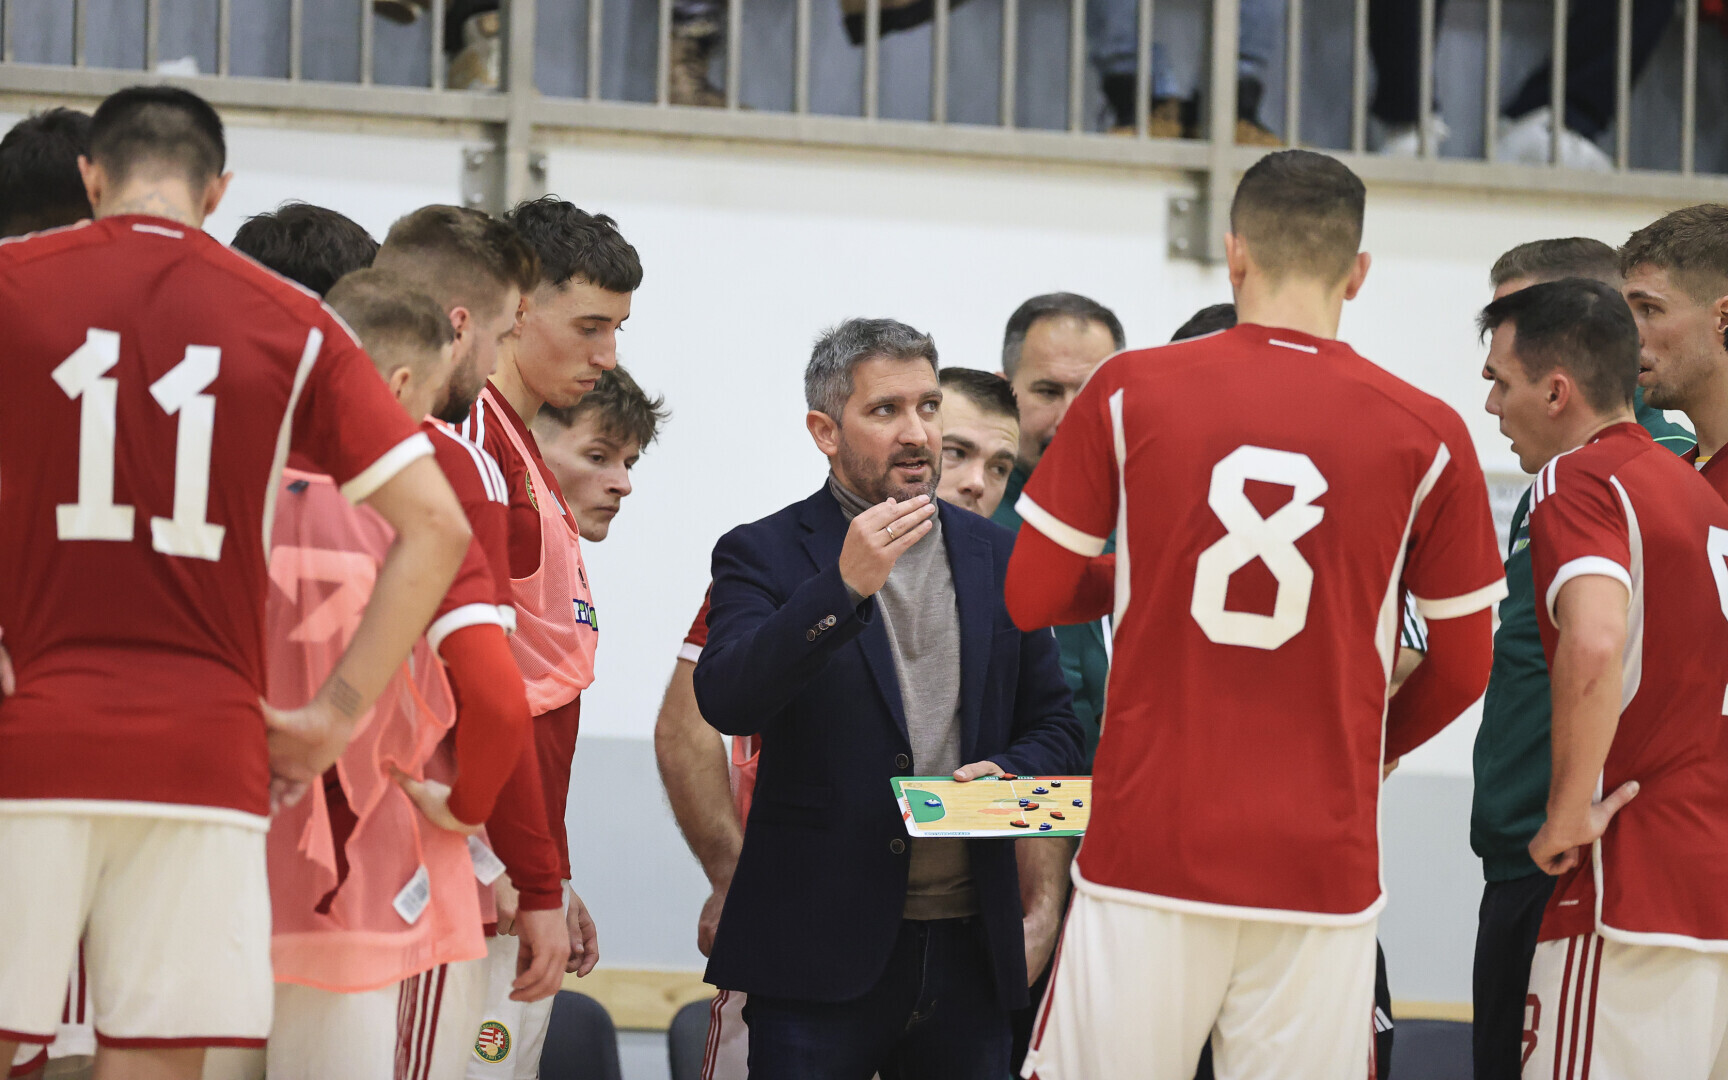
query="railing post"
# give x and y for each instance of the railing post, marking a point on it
(1623, 87)
(1293, 73)
(1221, 127)
(520, 95)
(1491, 84)
(1359, 78)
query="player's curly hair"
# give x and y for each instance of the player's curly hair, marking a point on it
(623, 409)
(311, 245)
(573, 243)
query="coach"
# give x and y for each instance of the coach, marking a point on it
(862, 633)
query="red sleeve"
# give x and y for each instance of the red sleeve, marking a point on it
(1071, 497)
(517, 829)
(1453, 567)
(348, 423)
(1452, 675)
(480, 487)
(1048, 585)
(697, 639)
(470, 601)
(1577, 527)
(492, 719)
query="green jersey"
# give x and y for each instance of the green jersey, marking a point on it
(1512, 759)
(1085, 657)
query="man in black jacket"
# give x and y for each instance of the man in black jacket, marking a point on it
(863, 634)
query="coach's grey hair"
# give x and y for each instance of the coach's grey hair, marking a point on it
(1049, 306)
(828, 379)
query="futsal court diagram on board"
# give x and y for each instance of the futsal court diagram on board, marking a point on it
(994, 806)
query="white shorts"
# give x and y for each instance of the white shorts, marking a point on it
(75, 1040)
(418, 1029)
(1601, 1010)
(1138, 990)
(727, 1055)
(175, 919)
(507, 1041)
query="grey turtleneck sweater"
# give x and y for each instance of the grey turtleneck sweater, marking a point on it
(917, 608)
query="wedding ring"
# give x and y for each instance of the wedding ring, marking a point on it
(889, 529)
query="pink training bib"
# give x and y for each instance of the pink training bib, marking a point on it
(556, 629)
(408, 901)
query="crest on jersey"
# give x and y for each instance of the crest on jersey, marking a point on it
(492, 1045)
(528, 482)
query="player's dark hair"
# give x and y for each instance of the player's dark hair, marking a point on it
(1579, 325)
(573, 243)
(1057, 305)
(1551, 260)
(1208, 320)
(1690, 244)
(1300, 213)
(40, 186)
(397, 324)
(459, 256)
(308, 244)
(839, 349)
(985, 389)
(622, 408)
(158, 127)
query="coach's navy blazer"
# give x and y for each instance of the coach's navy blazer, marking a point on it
(816, 901)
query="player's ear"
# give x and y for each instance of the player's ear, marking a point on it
(1559, 391)
(1236, 258)
(95, 180)
(1358, 274)
(398, 381)
(213, 192)
(825, 430)
(1720, 310)
(460, 320)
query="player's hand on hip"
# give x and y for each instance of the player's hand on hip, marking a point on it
(433, 799)
(305, 741)
(978, 769)
(877, 539)
(542, 944)
(1558, 845)
(505, 900)
(709, 923)
(584, 939)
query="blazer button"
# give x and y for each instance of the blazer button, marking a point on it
(901, 761)
(809, 635)
(829, 621)
(897, 846)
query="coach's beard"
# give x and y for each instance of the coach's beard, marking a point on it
(880, 483)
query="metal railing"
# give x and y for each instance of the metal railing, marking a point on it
(517, 115)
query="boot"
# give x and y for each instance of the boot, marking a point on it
(687, 81)
(1164, 122)
(478, 65)
(1249, 130)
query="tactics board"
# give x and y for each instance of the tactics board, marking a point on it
(994, 806)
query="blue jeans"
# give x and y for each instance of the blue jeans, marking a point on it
(1113, 35)
(933, 1015)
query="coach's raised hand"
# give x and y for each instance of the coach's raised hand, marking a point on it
(877, 539)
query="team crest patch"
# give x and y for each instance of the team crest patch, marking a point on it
(528, 482)
(492, 1045)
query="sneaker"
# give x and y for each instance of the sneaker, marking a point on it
(687, 81)
(1163, 122)
(1254, 133)
(479, 64)
(400, 11)
(1524, 141)
(1403, 140)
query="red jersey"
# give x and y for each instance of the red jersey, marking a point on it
(480, 488)
(1714, 469)
(1622, 507)
(154, 384)
(554, 643)
(1262, 544)
(741, 768)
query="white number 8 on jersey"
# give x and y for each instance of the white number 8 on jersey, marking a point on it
(1247, 536)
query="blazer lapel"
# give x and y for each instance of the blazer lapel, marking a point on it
(825, 534)
(972, 562)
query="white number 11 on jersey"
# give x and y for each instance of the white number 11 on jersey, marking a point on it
(95, 516)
